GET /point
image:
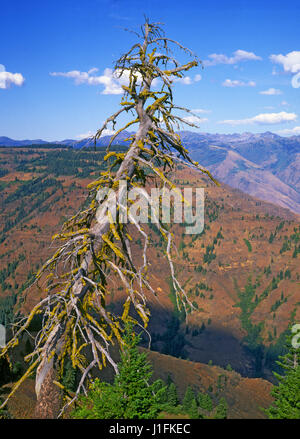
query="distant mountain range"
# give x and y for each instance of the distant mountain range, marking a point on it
(6, 141)
(264, 165)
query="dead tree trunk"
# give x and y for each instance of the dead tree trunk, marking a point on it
(49, 395)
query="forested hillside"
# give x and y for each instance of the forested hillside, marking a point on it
(241, 273)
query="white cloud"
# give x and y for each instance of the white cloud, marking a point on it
(292, 131)
(200, 111)
(112, 84)
(290, 61)
(89, 134)
(238, 55)
(238, 83)
(186, 80)
(271, 92)
(111, 81)
(108, 132)
(195, 119)
(264, 119)
(284, 103)
(85, 135)
(8, 78)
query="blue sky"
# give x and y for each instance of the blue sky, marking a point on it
(50, 50)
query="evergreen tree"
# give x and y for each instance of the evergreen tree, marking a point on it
(172, 397)
(287, 397)
(102, 402)
(295, 253)
(286, 393)
(133, 380)
(161, 391)
(169, 380)
(221, 410)
(193, 410)
(69, 377)
(131, 396)
(205, 401)
(188, 398)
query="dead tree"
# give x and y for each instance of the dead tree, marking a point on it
(74, 314)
